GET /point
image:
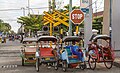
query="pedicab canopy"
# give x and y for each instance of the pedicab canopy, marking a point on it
(29, 40)
(71, 38)
(47, 38)
(104, 37)
(30, 44)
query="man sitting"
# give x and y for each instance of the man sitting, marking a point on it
(77, 51)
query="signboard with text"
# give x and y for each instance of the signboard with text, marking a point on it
(84, 5)
(77, 16)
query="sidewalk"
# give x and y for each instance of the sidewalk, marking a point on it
(117, 59)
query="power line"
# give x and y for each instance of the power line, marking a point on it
(9, 9)
(21, 9)
(92, 4)
(100, 3)
(9, 19)
(40, 8)
(59, 4)
(98, 7)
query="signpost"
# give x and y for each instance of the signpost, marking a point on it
(77, 17)
(84, 5)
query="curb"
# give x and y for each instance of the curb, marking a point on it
(116, 64)
(8, 45)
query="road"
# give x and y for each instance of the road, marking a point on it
(10, 62)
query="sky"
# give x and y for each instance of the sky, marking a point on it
(10, 16)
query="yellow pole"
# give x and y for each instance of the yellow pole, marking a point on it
(61, 32)
(77, 30)
(61, 36)
(50, 29)
(50, 33)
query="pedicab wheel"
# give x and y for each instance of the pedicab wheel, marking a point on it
(22, 62)
(108, 64)
(83, 66)
(92, 63)
(64, 65)
(37, 64)
(56, 65)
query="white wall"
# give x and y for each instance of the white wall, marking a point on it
(116, 24)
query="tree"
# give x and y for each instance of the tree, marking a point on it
(33, 22)
(12, 32)
(4, 27)
(74, 7)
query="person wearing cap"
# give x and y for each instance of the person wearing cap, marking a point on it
(94, 34)
(90, 44)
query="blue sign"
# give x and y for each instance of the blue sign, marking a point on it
(85, 10)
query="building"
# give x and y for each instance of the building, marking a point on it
(98, 14)
(115, 28)
(116, 24)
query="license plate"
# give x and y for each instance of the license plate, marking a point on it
(47, 58)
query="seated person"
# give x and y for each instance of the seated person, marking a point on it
(76, 51)
(55, 51)
(91, 44)
(90, 49)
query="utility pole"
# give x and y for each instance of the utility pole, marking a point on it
(22, 26)
(88, 25)
(28, 7)
(110, 27)
(50, 23)
(29, 12)
(23, 9)
(96, 8)
(70, 23)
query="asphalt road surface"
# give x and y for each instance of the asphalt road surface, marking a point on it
(10, 62)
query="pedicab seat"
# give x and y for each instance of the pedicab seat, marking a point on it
(70, 54)
(30, 50)
(106, 51)
(46, 52)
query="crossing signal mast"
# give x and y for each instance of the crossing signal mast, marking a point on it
(52, 5)
(49, 2)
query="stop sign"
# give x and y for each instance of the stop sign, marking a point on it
(77, 16)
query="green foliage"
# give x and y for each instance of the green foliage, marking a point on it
(4, 27)
(67, 7)
(33, 22)
(12, 32)
(97, 24)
